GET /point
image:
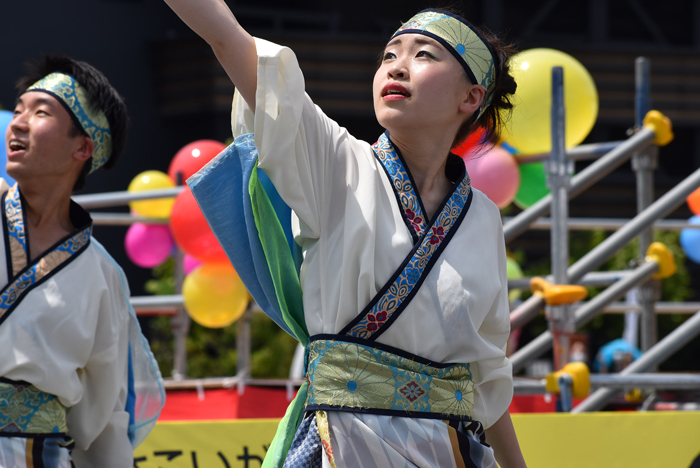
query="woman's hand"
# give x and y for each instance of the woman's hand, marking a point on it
(501, 436)
(232, 45)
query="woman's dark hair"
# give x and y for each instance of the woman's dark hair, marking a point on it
(100, 93)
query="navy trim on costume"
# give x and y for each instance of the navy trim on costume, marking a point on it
(409, 225)
(65, 106)
(79, 217)
(447, 46)
(407, 260)
(38, 452)
(381, 412)
(26, 232)
(34, 435)
(428, 267)
(13, 382)
(28, 289)
(380, 346)
(6, 238)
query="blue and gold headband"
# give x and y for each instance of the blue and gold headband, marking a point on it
(75, 99)
(459, 37)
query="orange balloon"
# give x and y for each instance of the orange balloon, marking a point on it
(191, 230)
(694, 202)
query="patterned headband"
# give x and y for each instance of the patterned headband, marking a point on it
(463, 41)
(75, 99)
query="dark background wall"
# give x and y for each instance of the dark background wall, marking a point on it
(177, 93)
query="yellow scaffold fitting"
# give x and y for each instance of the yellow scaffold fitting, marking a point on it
(557, 294)
(661, 126)
(580, 376)
(659, 253)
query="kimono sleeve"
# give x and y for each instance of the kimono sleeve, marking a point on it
(493, 373)
(294, 139)
(98, 422)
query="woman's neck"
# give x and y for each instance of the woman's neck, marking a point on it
(426, 159)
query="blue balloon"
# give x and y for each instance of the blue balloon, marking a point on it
(5, 117)
(690, 240)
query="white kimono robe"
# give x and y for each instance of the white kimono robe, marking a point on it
(348, 223)
(69, 337)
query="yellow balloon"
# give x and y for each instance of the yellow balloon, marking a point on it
(214, 295)
(152, 180)
(529, 127)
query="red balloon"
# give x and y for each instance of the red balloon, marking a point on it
(191, 231)
(193, 157)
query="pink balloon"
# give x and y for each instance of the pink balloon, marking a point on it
(495, 172)
(189, 263)
(148, 245)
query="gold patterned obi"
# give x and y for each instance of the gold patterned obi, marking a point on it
(26, 410)
(350, 374)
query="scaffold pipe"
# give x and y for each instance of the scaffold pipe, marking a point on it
(543, 342)
(603, 251)
(580, 182)
(657, 381)
(653, 357)
(105, 200)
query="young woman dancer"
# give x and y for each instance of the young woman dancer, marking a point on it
(404, 267)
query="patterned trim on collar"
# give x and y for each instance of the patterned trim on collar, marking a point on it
(53, 260)
(409, 202)
(388, 304)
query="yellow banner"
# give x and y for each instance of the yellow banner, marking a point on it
(619, 440)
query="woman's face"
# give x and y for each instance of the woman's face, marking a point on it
(421, 86)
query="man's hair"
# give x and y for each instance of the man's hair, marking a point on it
(100, 93)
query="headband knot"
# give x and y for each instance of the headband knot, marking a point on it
(73, 96)
(459, 37)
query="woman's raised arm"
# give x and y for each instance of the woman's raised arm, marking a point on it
(232, 45)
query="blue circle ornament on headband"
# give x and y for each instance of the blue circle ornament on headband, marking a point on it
(463, 41)
(74, 98)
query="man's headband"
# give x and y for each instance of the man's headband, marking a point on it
(463, 41)
(75, 99)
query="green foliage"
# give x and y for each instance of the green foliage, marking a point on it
(212, 352)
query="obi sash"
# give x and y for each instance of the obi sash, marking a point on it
(26, 411)
(346, 374)
(232, 193)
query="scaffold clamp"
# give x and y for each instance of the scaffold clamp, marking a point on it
(659, 253)
(580, 378)
(557, 294)
(661, 126)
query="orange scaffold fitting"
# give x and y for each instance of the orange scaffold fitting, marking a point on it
(580, 377)
(557, 294)
(661, 126)
(659, 253)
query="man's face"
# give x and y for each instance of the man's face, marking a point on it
(39, 139)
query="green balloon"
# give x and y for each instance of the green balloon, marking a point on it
(533, 185)
(513, 271)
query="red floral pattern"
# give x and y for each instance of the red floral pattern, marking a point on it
(375, 321)
(438, 235)
(412, 391)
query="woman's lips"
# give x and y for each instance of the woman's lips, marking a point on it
(394, 91)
